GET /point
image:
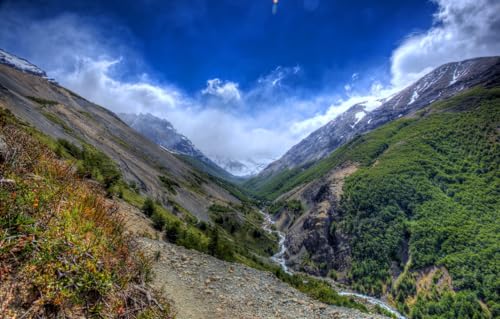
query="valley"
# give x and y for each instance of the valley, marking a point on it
(393, 213)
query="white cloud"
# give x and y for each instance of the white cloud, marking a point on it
(215, 131)
(226, 90)
(370, 100)
(463, 29)
(278, 75)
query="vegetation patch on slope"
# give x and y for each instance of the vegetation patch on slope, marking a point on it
(426, 195)
(62, 251)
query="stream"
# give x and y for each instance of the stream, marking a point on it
(279, 258)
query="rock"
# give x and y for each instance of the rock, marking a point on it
(7, 183)
(34, 177)
(4, 149)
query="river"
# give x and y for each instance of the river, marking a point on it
(280, 259)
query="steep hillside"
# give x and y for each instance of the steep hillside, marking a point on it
(183, 201)
(409, 211)
(441, 83)
(164, 134)
(149, 168)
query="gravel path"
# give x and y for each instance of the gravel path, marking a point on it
(201, 286)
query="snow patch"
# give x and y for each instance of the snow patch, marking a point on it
(458, 74)
(359, 116)
(20, 64)
(241, 167)
(414, 97)
(371, 105)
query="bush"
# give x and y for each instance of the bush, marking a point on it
(158, 220)
(148, 208)
(91, 163)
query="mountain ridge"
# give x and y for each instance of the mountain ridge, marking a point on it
(442, 82)
(63, 114)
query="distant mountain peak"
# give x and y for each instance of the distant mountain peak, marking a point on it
(240, 168)
(163, 133)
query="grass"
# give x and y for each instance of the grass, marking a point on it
(319, 290)
(42, 102)
(242, 224)
(56, 120)
(62, 250)
(169, 183)
(91, 163)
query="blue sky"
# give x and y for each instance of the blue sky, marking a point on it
(187, 42)
(242, 82)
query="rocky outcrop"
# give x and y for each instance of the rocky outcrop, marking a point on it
(3, 149)
(315, 245)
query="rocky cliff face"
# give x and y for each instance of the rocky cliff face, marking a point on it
(441, 83)
(314, 246)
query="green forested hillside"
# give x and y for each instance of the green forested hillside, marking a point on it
(433, 190)
(425, 199)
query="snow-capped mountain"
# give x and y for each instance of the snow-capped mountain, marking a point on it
(21, 64)
(163, 133)
(241, 168)
(443, 82)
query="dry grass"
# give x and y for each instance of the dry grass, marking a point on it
(63, 252)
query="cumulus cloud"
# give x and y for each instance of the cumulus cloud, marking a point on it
(462, 29)
(226, 90)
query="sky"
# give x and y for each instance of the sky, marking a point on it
(241, 79)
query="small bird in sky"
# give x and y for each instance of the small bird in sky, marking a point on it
(275, 6)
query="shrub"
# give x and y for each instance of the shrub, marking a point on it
(148, 208)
